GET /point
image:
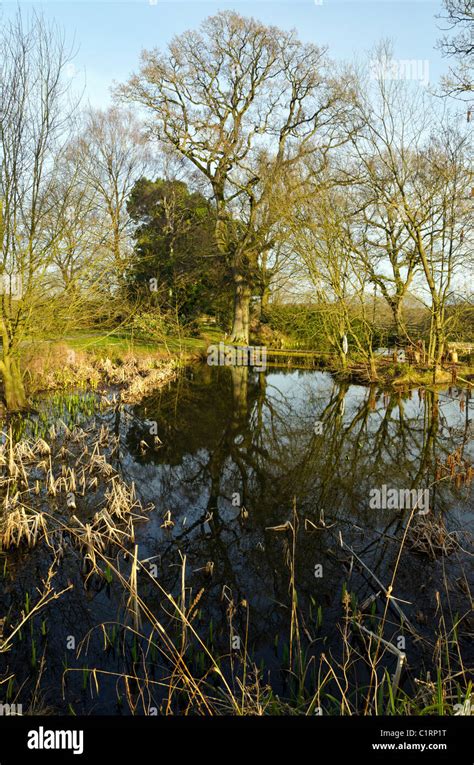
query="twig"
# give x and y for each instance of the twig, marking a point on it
(386, 591)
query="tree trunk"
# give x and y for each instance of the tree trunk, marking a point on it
(398, 320)
(437, 339)
(373, 367)
(14, 390)
(439, 342)
(265, 286)
(264, 302)
(241, 321)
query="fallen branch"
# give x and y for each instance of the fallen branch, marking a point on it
(401, 656)
(388, 594)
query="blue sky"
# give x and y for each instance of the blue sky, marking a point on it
(109, 35)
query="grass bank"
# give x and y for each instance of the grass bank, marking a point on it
(94, 360)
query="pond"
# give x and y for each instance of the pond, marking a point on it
(263, 486)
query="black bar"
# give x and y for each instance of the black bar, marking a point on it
(123, 739)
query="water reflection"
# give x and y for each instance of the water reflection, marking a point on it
(239, 447)
(228, 432)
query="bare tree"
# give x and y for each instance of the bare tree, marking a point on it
(323, 239)
(34, 112)
(438, 216)
(413, 164)
(459, 16)
(244, 103)
(394, 118)
(78, 243)
(112, 153)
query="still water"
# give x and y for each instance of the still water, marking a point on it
(238, 455)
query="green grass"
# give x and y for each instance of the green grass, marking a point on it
(120, 343)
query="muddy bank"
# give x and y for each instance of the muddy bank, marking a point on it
(130, 377)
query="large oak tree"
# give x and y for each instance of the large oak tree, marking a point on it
(246, 105)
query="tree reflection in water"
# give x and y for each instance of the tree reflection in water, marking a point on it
(239, 447)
